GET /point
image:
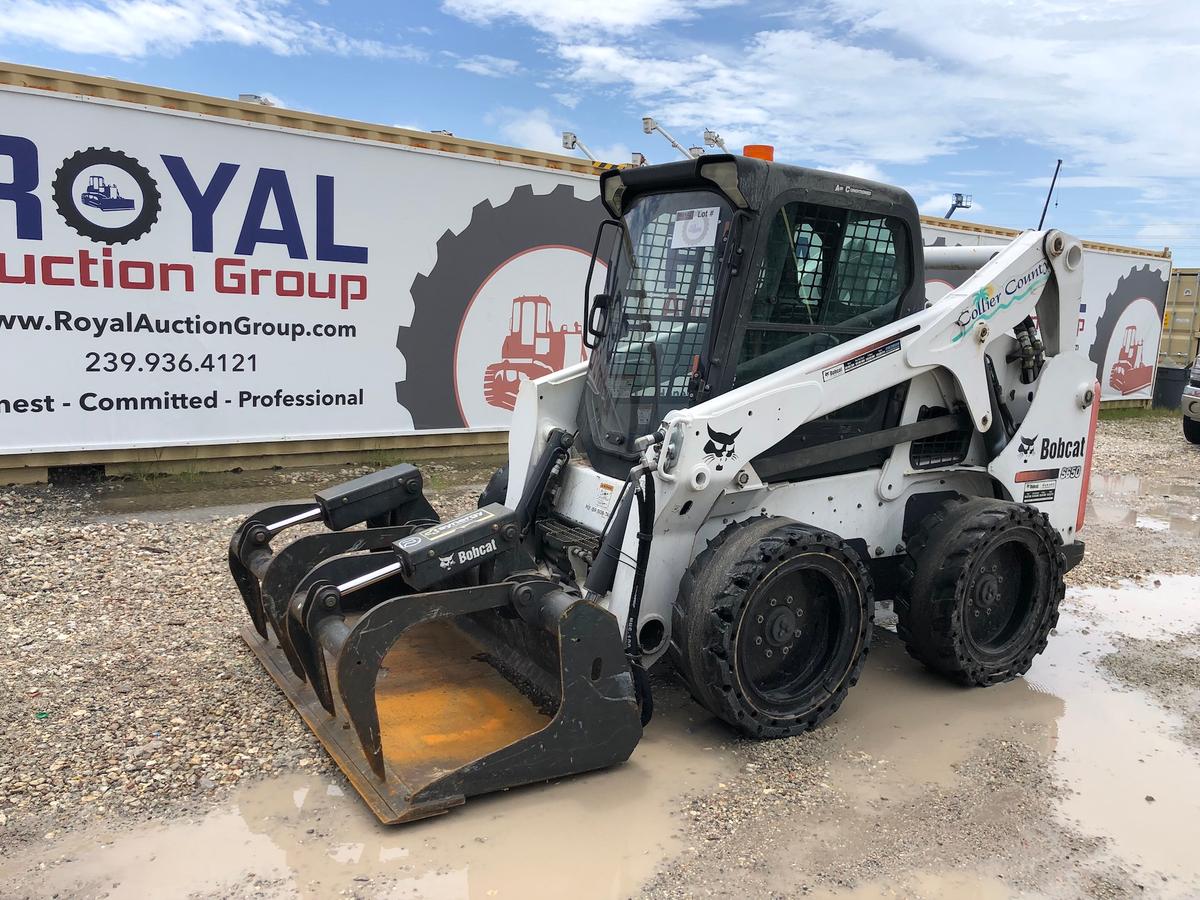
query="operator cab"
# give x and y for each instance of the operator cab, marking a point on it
(726, 269)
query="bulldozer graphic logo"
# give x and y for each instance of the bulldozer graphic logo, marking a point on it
(531, 348)
(1027, 444)
(1128, 332)
(720, 447)
(106, 196)
(501, 305)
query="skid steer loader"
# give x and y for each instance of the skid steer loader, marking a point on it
(774, 431)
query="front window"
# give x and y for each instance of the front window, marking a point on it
(664, 289)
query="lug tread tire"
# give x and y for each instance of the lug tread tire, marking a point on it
(927, 602)
(713, 589)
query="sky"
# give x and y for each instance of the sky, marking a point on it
(936, 96)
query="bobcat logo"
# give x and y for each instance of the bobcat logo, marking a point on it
(720, 447)
(446, 562)
(1027, 445)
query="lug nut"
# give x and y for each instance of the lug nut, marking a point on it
(757, 641)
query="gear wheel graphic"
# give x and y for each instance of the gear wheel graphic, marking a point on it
(1140, 283)
(465, 261)
(67, 204)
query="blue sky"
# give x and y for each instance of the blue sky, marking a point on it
(979, 97)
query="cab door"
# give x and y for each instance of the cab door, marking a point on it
(826, 274)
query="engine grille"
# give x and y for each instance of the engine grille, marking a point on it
(939, 450)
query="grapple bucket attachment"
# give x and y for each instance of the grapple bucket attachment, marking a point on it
(429, 698)
(391, 502)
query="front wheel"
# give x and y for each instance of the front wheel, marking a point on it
(772, 624)
(980, 589)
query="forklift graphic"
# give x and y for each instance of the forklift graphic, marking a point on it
(531, 349)
(1130, 372)
(104, 196)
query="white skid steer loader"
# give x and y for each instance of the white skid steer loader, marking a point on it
(774, 430)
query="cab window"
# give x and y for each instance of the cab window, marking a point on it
(827, 275)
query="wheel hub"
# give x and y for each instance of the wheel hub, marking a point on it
(780, 626)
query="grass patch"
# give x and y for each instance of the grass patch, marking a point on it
(1122, 414)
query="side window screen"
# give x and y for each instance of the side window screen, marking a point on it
(827, 275)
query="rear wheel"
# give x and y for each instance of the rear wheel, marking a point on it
(980, 589)
(772, 624)
(1191, 430)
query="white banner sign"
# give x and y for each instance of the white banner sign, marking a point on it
(169, 279)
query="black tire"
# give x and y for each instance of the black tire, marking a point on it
(1191, 430)
(718, 631)
(980, 589)
(497, 487)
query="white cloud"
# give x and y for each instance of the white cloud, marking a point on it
(1105, 86)
(489, 66)
(612, 153)
(137, 28)
(858, 169)
(531, 129)
(567, 17)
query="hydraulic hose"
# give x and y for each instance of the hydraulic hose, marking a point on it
(645, 497)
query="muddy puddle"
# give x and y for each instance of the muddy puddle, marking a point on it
(597, 835)
(1145, 504)
(1131, 783)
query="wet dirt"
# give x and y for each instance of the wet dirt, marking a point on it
(597, 835)
(1060, 784)
(1076, 781)
(1146, 504)
(909, 801)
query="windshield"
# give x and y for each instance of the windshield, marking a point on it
(663, 287)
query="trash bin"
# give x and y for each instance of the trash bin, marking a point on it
(1168, 387)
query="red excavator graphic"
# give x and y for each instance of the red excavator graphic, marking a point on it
(531, 349)
(1130, 372)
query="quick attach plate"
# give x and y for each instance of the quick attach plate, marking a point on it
(436, 553)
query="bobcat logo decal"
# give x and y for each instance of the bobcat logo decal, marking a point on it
(720, 447)
(446, 562)
(1027, 445)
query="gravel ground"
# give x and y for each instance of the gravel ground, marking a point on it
(130, 697)
(128, 691)
(1167, 670)
(1149, 446)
